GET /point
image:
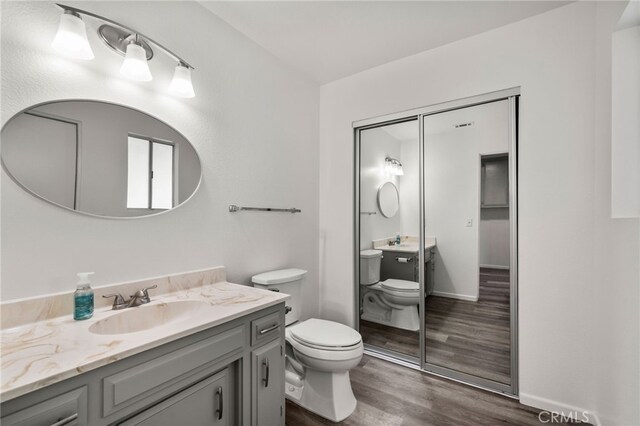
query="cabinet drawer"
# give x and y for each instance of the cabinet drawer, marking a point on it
(68, 409)
(144, 380)
(266, 328)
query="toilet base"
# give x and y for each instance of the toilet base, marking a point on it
(327, 394)
(406, 318)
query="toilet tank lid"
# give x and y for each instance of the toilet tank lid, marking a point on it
(278, 277)
(366, 254)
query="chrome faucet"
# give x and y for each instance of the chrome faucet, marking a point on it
(140, 297)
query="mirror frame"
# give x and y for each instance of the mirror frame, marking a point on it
(30, 192)
(397, 194)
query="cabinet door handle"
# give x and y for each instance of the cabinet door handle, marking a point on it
(266, 330)
(265, 364)
(66, 420)
(220, 397)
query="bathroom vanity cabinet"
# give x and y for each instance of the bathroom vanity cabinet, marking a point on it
(230, 374)
(402, 265)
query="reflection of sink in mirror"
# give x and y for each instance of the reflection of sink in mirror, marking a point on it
(147, 317)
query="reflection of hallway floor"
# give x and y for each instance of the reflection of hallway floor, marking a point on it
(472, 337)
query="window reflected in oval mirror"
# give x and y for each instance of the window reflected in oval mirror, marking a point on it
(388, 199)
(99, 158)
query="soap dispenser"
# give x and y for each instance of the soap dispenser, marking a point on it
(83, 298)
(398, 239)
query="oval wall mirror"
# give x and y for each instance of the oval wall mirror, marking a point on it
(100, 158)
(388, 199)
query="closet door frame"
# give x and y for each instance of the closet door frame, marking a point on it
(512, 96)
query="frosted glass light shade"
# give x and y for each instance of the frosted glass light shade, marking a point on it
(135, 64)
(71, 38)
(181, 84)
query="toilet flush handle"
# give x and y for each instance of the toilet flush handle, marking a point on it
(287, 309)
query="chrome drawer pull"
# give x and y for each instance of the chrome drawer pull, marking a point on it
(266, 330)
(66, 420)
(220, 396)
(265, 363)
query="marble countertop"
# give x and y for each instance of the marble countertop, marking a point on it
(38, 354)
(408, 245)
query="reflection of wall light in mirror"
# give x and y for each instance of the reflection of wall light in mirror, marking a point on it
(71, 40)
(393, 167)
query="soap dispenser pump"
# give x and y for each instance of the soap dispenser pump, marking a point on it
(83, 297)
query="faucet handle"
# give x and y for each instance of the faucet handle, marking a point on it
(118, 302)
(144, 290)
(144, 293)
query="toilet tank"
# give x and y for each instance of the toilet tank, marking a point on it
(288, 281)
(370, 266)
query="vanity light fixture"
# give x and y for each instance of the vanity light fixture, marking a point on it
(181, 83)
(135, 64)
(393, 167)
(71, 40)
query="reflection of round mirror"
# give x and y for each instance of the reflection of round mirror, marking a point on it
(99, 158)
(388, 199)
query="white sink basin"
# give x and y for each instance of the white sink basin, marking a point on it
(132, 320)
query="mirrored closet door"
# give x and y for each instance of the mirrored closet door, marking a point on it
(389, 236)
(466, 175)
(436, 238)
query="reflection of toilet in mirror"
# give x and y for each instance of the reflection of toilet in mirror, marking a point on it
(391, 302)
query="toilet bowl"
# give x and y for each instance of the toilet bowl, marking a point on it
(319, 353)
(391, 302)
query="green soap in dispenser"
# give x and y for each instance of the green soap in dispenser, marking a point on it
(83, 298)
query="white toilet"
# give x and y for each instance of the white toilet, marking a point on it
(391, 302)
(319, 353)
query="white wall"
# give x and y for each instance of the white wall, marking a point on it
(625, 156)
(452, 190)
(376, 145)
(410, 187)
(553, 58)
(253, 122)
(616, 260)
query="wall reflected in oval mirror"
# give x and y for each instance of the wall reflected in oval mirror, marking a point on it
(100, 159)
(388, 199)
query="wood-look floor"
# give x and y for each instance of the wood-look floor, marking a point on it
(392, 395)
(471, 337)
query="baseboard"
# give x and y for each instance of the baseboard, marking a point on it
(558, 407)
(454, 296)
(506, 268)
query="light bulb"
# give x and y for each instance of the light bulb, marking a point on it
(135, 64)
(71, 38)
(181, 84)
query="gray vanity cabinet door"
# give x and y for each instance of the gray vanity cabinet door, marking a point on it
(208, 402)
(268, 384)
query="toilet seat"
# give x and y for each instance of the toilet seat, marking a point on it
(400, 287)
(325, 340)
(326, 335)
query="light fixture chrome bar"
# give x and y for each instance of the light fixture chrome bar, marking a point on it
(233, 208)
(124, 27)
